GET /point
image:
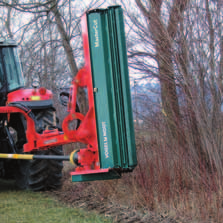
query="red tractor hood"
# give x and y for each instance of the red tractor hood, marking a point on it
(39, 94)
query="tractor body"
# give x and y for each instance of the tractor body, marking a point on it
(37, 102)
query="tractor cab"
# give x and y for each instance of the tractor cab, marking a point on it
(10, 67)
(11, 77)
(12, 87)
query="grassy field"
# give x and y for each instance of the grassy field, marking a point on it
(29, 207)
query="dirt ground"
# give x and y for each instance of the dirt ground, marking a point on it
(92, 196)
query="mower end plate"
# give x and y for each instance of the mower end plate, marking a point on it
(92, 175)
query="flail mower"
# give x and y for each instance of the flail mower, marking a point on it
(34, 155)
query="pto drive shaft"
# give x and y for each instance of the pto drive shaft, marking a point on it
(72, 158)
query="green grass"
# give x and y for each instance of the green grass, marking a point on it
(29, 207)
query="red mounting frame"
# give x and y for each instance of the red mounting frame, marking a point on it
(86, 133)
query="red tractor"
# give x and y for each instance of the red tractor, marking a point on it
(38, 103)
(31, 142)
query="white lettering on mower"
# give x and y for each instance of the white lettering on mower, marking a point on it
(104, 129)
(95, 27)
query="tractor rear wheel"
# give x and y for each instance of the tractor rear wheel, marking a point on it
(45, 174)
(38, 175)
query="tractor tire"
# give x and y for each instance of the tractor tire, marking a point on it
(40, 175)
(46, 174)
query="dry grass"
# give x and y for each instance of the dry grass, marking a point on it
(170, 180)
(177, 182)
(167, 181)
